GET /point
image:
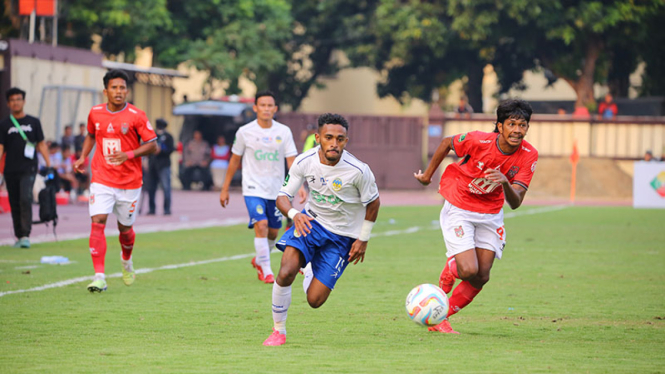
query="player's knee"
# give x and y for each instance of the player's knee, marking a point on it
(467, 272)
(316, 301)
(286, 276)
(482, 279)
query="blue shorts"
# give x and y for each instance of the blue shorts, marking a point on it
(328, 252)
(260, 209)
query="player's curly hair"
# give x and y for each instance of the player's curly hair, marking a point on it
(113, 74)
(512, 108)
(333, 119)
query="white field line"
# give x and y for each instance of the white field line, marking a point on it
(158, 227)
(409, 230)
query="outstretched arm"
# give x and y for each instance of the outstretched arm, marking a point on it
(234, 162)
(441, 152)
(357, 252)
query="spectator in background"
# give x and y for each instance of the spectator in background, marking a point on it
(648, 156)
(581, 112)
(608, 109)
(159, 168)
(197, 161)
(308, 137)
(561, 111)
(78, 139)
(55, 155)
(221, 153)
(66, 172)
(463, 109)
(68, 138)
(20, 136)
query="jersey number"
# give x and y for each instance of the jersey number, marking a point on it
(500, 232)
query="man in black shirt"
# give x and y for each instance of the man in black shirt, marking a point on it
(159, 169)
(20, 136)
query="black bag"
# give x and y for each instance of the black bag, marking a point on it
(47, 203)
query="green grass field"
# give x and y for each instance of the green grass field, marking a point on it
(580, 289)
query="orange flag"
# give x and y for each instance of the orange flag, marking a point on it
(575, 156)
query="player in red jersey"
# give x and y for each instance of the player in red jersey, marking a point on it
(493, 167)
(118, 130)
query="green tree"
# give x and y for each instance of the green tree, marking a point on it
(573, 37)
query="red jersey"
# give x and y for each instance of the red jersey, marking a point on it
(464, 185)
(118, 131)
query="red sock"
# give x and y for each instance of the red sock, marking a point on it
(98, 246)
(462, 296)
(127, 243)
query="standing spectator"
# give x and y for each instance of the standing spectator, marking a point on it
(82, 177)
(463, 109)
(66, 173)
(68, 139)
(78, 139)
(561, 111)
(20, 134)
(648, 156)
(221, 153)
(608, 108)
(159, 168)
(55, 156)
(581, 112)
(197, 162)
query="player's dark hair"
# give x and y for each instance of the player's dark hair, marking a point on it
(15, 91)
(263, 93)
(512, 108)
(161, 123)
(333, 119)
(113, 74)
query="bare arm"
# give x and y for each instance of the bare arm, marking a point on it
(41, 147)
(441, 152)
(514, 193)
(234, 162)
(87, 147)
(300, 220)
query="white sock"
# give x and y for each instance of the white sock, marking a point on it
(128, 265)
(99, 276)
(271, 244)
(309, 275)
(281, 300)
(263, 255)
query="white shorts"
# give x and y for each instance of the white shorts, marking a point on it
(123, 203)
(464, 230)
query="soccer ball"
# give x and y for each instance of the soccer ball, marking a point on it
(427, 305)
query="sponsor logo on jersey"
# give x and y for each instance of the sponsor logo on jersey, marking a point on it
(533, 166)
(149, 126)
(459, 231)
(513, 171)
(278, 139)
(295, 232)
(461, 138)
(97, 126)
(92, 199)
(259, 209)
(485, 141)
(124, 128)
(267, 139)
(109, 129)
(526, 149)
(286, 180)
(260, 155)
(321, 198)
(481, 186)
(337, 184)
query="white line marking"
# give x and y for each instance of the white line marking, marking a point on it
(409, 230)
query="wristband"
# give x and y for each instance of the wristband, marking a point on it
(292, 213)
(366, 230)
(130, 155)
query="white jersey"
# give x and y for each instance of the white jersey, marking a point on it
(264, 152)
(337, 194)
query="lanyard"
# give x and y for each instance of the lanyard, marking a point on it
(18, 127)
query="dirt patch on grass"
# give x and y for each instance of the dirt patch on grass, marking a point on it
(596, 179)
